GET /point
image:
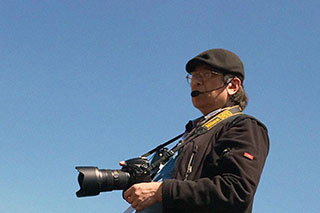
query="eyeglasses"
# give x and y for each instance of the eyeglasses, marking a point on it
(202, 75)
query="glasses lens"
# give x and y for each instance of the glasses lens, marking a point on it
(189, 77)
(201, 76)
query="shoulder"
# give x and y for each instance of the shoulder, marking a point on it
(245, 130)
(243, 126)
(245, 119)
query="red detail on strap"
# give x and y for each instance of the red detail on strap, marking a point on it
(248, 155)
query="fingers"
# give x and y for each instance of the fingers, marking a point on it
(129, 200)
(127, 194)
(135, 205)
(139, 204)
(134, 200)
(122, 163)
(142, 195)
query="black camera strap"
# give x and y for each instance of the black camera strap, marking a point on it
(162, 145)
(204, 127)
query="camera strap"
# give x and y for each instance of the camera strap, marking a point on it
(163, 145)
(202, 128)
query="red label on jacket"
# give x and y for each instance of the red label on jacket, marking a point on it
(248, 155)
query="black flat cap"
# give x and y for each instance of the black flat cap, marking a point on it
(222, 60)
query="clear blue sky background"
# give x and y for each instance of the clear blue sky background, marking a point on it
(96, 82)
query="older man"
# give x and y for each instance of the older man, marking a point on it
(219, 167)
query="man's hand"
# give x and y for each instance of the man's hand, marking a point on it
(142, 195)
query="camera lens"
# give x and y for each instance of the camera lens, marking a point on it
(92, 180)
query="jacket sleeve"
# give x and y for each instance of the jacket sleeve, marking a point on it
(233, 183)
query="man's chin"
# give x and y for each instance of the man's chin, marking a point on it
(197, 103)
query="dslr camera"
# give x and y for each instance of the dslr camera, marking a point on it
(92, 180)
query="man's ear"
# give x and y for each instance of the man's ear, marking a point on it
(234, 86)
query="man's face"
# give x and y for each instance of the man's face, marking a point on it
(203, 79)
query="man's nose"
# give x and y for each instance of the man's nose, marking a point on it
(197, 81)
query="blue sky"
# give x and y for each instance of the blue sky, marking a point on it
(96, 82)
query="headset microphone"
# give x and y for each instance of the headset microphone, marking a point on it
(196, 93)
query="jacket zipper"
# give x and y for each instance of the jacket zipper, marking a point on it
(189, 168)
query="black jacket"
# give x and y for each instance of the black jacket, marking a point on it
(226, 162)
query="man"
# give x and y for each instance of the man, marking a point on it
(218, 169)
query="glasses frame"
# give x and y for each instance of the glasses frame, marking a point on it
(202, 76)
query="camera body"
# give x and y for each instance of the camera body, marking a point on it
(92, 180)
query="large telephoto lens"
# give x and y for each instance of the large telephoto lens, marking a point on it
(92, 180)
